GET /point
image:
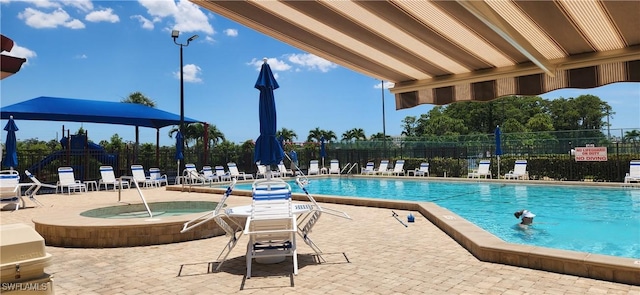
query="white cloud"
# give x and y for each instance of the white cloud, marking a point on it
(84, 5)
(19, 51)
(43, 3)
(387, 85)
(190, 73)
(144, 22)
(231, 32)
(82, 56)
(311, 61)
(274, 63)
(38, 19)
(188, 18)
(105, 15)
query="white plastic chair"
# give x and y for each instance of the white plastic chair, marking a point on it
(271, 228)
(157, 177)
(313, 168)
(282, 169)
(68, 180)
(519, 170)
(383, 168)
(192, 176)
(369, 169)
(209, 176)
(10, 189)
(334, 167)
(109, 178)
(233, 171)
(137, 171)
(221, 174)
(397, 169)
(634, 172)
(482, 171)
(422, 171)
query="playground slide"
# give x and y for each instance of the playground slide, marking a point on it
(95, 151)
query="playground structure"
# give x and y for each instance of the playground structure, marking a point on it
(77, 152)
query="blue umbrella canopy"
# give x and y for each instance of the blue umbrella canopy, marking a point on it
(323, 152)
(268, 150)
(498, 144)
(11, 158)
(179, 153)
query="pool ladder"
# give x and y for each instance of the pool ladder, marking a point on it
(348, 167)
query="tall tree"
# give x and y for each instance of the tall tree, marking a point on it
(287, 134)
(139, 98)
(315, 135)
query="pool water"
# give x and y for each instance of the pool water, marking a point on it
(586, 219)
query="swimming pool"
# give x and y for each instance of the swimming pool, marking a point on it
(586, 219)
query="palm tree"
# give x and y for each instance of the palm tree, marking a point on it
(195, 133)
(633, 135)
(287, 134)
(329, 135)
(315, 135)
(138, 98)
(355, 133)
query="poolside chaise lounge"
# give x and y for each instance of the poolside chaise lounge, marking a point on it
(233, 171)
(271, 227)
(139, 177)
(192, 176)
(482, 171)
(634, 172)
(109, 178)
(232, 229)
(282, 169)
(314, 168)
(68, 180)
(397, 169)
(10, 188)
(221, 174)
(368, 169)
(383, 168)
(334, 167)
(422, 171)
(519, 170)
(208, 174)
(157, 177)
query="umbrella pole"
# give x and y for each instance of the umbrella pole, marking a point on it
(498, 166)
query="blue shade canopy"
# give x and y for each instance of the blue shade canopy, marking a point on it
(179, 139)
(11, 158)
(498, 143)
(79, 110)
(268, 150)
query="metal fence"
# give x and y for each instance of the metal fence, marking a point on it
(548, 155)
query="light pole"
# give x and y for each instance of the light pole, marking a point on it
(174, 35)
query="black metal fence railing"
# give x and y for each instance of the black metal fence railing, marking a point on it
(548, 156)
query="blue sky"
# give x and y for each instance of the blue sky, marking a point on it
(105, 50)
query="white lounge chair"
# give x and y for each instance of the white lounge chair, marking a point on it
(634, 172)
(139, 177)
(221, 174)
(33, 189)
(314, 169)
(192, 176)
(109, 178)
(422, 171)
(157, 177)
(519, 170)
(307, 221)
(383, 168)
(233, 170)
(482, 171)
(209, 176)
(334, 167)
(271, 228)
(10, 189)
(282, 169)
(397, 169)
(232, 229)
(369, 169)
(66, 179)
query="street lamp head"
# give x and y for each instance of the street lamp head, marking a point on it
(192, 38)
(175, 34)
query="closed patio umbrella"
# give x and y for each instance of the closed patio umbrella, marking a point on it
(179, 153)
(323, 152)
(11, 158)
(268, 150)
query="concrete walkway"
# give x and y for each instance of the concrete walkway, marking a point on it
(384, 257)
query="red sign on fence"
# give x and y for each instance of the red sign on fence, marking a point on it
(591, 154)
